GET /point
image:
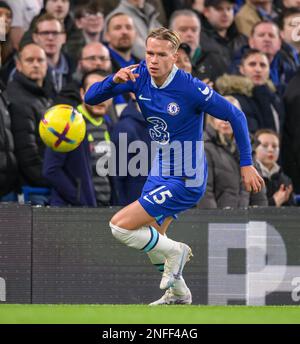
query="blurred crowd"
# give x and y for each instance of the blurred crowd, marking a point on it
(53, 50)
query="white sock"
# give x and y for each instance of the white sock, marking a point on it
(157, 259)
(145, 239)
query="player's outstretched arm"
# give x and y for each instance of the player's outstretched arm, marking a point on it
(251, 179)
(113, 85)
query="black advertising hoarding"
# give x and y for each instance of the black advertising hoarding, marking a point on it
(240, 257)
(15, 253)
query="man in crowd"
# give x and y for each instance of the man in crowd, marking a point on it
(50, 35)
(29, 97)
(206, 65)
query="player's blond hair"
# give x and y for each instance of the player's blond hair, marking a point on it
(166, 35)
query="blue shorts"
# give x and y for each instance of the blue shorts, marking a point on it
(165, 197)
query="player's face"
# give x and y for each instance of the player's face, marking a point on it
(268, 150)
(100, 109)
(256, 67)
(160, 59)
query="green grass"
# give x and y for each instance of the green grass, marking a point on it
(142, 314)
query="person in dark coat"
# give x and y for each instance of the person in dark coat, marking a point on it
(207, 65)
(279, 185)
(219, 32)
(8, 162)
(255, 92)
(224, 184)
(70, 177)
(28, 94)
(132, 123)
(265, 37)
(291, 130)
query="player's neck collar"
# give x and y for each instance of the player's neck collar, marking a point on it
(168, 80)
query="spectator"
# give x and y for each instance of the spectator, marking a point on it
(283, 5)
(219, 33)
(120, 36)
(107, 5)
(198, 5)
(224, 184)
(175, 5)
(290, 31)
(265, 37)
(8, 162)
(144, 17)
(69, 175)
(6, 45)
(50, 35)
(206, 65)
(29, 97)
(252, 12)
(23, 13)
(89, 23)
(98, 125)
(59, 9)
(291, 138)
(183, 60)
(92, 56)
(132, 123)
(255, 93)
(279, 186)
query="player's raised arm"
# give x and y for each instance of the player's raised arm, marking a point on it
(121, 82)
(217, 106)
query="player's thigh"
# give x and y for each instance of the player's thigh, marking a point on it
(133, 216)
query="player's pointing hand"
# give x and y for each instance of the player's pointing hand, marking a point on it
(251, 178)
(126, 74)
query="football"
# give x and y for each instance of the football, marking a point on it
(62, 128)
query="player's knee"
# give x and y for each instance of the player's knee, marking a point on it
(118, 232)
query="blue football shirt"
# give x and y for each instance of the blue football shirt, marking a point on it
(175, 112)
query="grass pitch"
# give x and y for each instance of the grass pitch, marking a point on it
(142, 314)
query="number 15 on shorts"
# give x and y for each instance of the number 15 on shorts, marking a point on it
(158, 195)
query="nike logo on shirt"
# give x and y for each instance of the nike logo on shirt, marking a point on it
(142, 98)
(205, 91)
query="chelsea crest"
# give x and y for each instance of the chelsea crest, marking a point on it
(173, 109)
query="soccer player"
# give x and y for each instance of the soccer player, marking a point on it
(173, 103)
